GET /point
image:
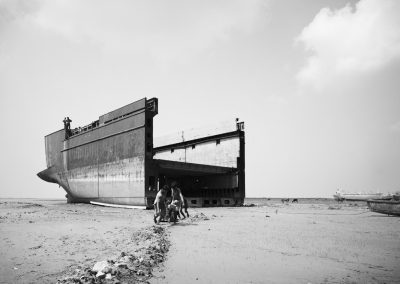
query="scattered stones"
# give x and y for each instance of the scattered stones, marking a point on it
(100, 266)
(100, 275)
(106, 270)
(108, 276)
(114, 270)
(199, 216)
(121, 265)
(151, 247)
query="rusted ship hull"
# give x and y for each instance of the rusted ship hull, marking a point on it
(106, 160)
(113, 160)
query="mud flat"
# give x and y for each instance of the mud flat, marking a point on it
(51, 241)
(285, 243)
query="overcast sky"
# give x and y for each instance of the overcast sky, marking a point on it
(316, 82)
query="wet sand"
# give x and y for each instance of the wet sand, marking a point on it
(297, 243)
(45, 241)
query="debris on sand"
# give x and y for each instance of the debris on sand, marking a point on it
(100, 266)
(198, 217)
(334, 207)
(150, 248)
(29, 205)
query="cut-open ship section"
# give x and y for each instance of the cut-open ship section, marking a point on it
(115, 160)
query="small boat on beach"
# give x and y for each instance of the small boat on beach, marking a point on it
(390, 207)
(341, 196)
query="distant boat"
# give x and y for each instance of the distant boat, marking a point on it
(341, 196)
(390, 207)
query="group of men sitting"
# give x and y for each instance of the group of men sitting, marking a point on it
(169, 210)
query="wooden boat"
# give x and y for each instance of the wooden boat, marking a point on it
(390, 207)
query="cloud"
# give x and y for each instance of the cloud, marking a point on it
(351, 40)
(165, 30)
(14, 9)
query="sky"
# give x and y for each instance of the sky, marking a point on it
(315, 81)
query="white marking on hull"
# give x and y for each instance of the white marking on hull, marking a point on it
(117, 205)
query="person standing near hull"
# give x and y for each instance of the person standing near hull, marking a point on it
(160, 209)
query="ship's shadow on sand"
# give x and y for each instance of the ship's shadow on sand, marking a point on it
(183, 224)
(180, 224)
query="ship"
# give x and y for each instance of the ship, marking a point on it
(116, 160)
(341, 196)
(389, 207)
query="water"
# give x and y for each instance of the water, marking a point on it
(260, 201)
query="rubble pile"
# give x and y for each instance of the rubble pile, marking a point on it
(149, 249)
(198, 217)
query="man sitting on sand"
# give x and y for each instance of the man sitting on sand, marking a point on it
(176, 194)
(173, 211)
(159, 204)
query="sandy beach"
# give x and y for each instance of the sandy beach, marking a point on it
(45, 241)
